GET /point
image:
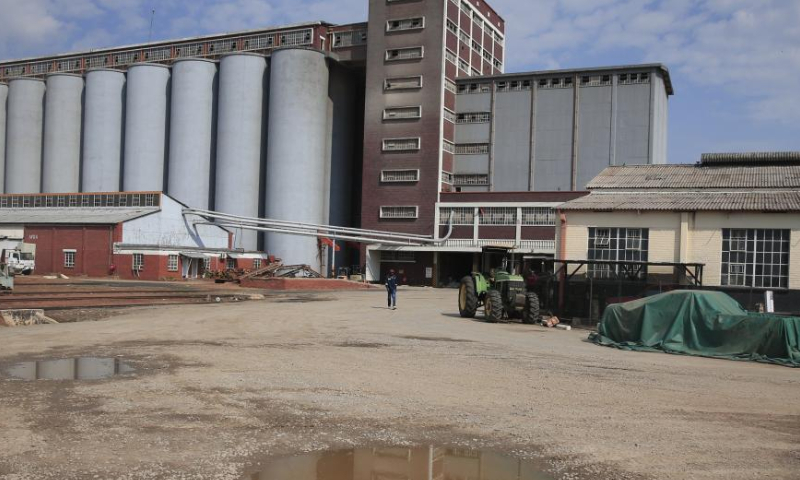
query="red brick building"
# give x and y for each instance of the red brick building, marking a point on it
(132, 235)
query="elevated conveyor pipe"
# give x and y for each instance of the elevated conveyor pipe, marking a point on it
(315, 230)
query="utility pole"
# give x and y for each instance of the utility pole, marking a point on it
(152, 17)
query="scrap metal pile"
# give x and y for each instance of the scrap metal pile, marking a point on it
(274, 269)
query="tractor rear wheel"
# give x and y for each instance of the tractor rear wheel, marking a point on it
(467, 298)
(531, 313)
(493, 306)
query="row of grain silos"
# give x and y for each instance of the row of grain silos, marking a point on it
(197, 129)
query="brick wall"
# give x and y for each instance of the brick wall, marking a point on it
(92, 245)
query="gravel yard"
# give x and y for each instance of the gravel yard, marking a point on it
(220, 388)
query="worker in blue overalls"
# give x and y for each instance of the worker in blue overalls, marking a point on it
(391, 289)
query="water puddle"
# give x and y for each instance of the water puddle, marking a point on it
(83, 368)
(400, 463)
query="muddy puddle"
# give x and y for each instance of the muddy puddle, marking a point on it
(400, 463)
(82, 368)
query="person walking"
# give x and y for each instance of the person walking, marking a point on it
(391, 289)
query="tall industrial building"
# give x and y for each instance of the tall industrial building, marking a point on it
(393, 124)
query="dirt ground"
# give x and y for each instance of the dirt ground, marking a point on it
(219, 388)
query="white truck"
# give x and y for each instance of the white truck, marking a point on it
(19, 257)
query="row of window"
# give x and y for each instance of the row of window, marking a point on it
(402, 113)
(400, 175)
(471, 149)
(404, 53)
(81, 200)
(478, 19)
(172, 262)
(498, 216)
(255, 42)
(557, 82)
(403, 24)
(402, 83)
(750, 257)
(399, 212)
(401, 144)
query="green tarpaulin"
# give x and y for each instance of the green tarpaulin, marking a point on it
(709, 324)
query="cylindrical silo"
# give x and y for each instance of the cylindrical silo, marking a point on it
(103, 121)
(144, 157)
(3, 99)
(191, 121)
(296, 154)
(239, 139)
(61, 157)
(25, 121)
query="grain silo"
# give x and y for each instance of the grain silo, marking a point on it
(104, 114)
(25, 119)
(239, 139)
(144, 157)
(61, 155)
(297, 150)
(191, 131)
(3, 100)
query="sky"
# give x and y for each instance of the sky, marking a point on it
(735, 64)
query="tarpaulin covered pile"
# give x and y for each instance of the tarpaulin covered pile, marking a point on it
(709, 324)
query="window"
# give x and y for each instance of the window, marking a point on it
(398, 256)
(399, 212)
(452, 26)
(230, 263)
(448, 146)
(256, 263)
(402, 113)
(399, 54)
(538, 216)
(471, 179)
(617, 245)
(460, 215)
(401, 24)
(498, 216)
(207, 264)
(755, 257)
(633, 239)
(450, 56)
(389, 176)
(69, 258)
(473, 88)
(138, 262)
(449, 115)
(463, 65)
(472, 148)
(473, 117)
(450, 85)
(401, 144)
(403, 83)
(172, 263)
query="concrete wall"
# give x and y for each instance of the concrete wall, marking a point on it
(63, 120)
(633, 124)
(512, 147)
(103, 129)
(553, 143)
(24, 131)
(594, 132)
(168, 228)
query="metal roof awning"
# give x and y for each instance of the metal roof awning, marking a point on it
(196, 255)
(235, 255)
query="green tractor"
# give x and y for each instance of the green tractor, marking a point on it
(500, 290)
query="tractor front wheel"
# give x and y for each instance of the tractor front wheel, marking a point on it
(493, 306)
(531, 313)
(467, 298)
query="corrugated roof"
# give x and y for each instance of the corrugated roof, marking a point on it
(750, 158)
(78, 215)
(687, 201)
(683, 176)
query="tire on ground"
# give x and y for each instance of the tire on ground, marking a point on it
(493, 306)
(467, 298)
(531, 313)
